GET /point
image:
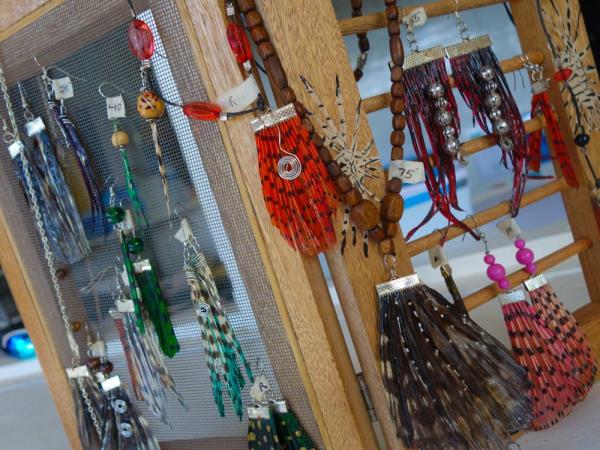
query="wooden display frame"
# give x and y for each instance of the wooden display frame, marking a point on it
(296, 281)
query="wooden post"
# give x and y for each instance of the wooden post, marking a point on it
(577, 202)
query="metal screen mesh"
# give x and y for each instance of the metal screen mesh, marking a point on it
(206, 195)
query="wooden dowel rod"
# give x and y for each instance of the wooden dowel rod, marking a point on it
(431, 240)
(489, 292)
(381, 101)
(373, 21)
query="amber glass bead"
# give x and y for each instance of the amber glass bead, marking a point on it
(238, 41)
(202, 111)
(135, 245)
(115, 215)
(140, 39)
(93, 363)
(120, 139)
(75, 326)
(150, 106)
(106, 367)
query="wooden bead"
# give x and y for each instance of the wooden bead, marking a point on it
(265, 50)
(392, 207)
(93, 363)
(150, 106)
(300, 110)
(344, 183)
(276, 73)
(334, 169)
(397, 74)
(317, 140)
(397, 105)
(377, 234)
(365, 215)
(253, 19)
(393, 27)
(391, 229)
(325, 155)
(356, 4)
(363, 45)
(391, 12)
(397, 51)
(287, 95)
(259, 34)
(397, 153)
(394, 185)
(387, 247)
(399, 122)
(245, 5)
(397, 138)
(398, 89)
(61, 273)
(75, 326)
(353, 197)
(119, 139)
(391, 2)
(306, 123)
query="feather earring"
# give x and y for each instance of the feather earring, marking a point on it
(296, 186)
(223, 351)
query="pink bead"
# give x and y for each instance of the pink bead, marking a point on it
(496, 272)
(489, 259)
(531, 268)
(525, 256)
(504, 283)
(519, 243)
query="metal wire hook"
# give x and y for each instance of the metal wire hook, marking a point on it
(108, 83)
(477, 230)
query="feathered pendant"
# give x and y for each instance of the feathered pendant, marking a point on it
(88, 433)
(549, 366)
(156, 306)
(439, 373)
(297, 190)
(262, 429)
(289, 431)
(222, 349)
(73, 143)
(558, 319)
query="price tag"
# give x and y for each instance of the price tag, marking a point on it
(115, 107)
(111, 383)
(260, 388)
(15, 149)
(185, 233)
(62, 88)
(240, 97)
(98, 349)
(437, 257)
(510, 228)
(125, 306)
(410, 172)
(35, 127)
(416, 18)
(78, 372)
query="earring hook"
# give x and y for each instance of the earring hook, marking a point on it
(108, 83)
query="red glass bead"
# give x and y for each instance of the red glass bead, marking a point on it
(238, 41)
(140, 39)
(563, 74)
(202, 111)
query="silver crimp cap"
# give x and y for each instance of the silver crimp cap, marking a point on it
(509, 297)
(398, 284)
(536, 282)
(274, 117)
(468, 46)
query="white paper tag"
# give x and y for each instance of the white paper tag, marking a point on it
(98, 349)
(185, 232)
(63, 88)
(510, 228)
(15, 149)
(437, 257)
(416, 18)
(111, 383)
(410, 172)
(115, 107)
(35, 126)
(280, 407)
(78, 372)
(240, 97)
(259, 388)
(126, 306)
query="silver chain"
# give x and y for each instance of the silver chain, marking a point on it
(48, 254)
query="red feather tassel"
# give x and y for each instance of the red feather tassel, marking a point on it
(301, 208)
(549, 366)
(558, 319)
(540, 102)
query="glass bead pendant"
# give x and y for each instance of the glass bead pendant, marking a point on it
(140, 39)
(202, 111)
(238, 41)
(563, 74)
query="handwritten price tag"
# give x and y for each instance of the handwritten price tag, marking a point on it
(437, 257)
(260, 388)
(63, 88)
(510, 228)
(416, 18)
(115, 107)
(240, 97)
(411, 172)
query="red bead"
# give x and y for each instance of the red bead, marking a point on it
(140, 39)
(238, 41)
(563, 74)
(202, 111)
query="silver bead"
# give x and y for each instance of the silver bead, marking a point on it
(495, 114)
(443, 117)
(501, 127)
(493, 100)
(463, 160)
(491, 86)
(487, 73)
(451, 146)
(436, 90)
(506, 144)
(442, 103)
(449, 132)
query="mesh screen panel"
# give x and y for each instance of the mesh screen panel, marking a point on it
(91, 46)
